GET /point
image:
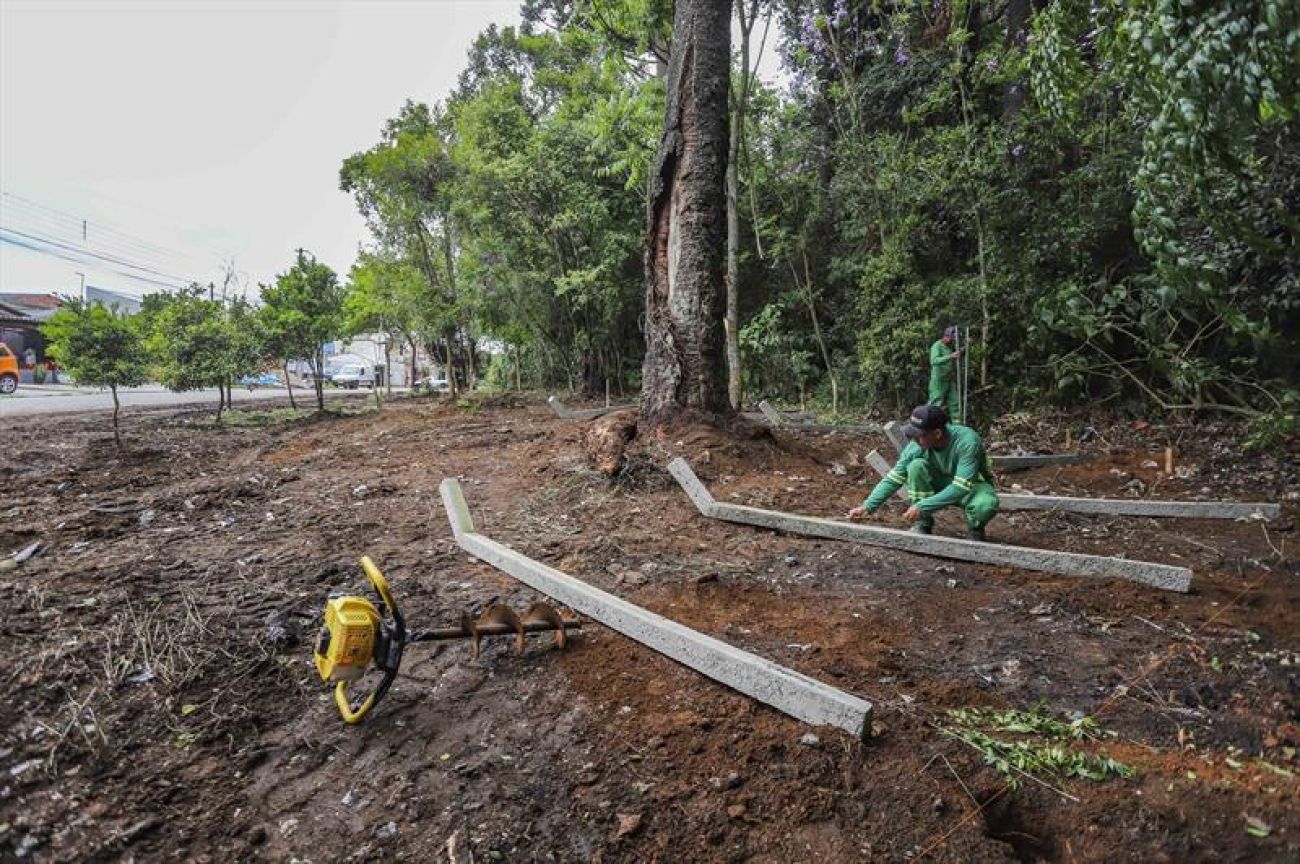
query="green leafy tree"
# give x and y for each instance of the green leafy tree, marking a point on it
(99, 348)
(201, 343)
(387, 295)
(304, 310)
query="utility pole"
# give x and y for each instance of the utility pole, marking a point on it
(83, 285)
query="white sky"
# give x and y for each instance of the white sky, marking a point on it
(189, 133)
(205, 130)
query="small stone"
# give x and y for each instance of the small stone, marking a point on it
(810, 740)
(148, 516)
(736, 811)
(791, 560)
(387, 830)
(628, 823)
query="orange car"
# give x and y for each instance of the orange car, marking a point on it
(8, 370)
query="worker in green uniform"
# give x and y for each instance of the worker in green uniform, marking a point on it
(944, 465)
(943, 373)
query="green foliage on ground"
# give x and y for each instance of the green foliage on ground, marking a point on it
(1035, 744)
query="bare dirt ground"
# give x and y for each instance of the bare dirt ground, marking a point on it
(163, 703)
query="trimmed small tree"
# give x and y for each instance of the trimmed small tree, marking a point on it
(98, 348)
(201, 343)
(307, 308)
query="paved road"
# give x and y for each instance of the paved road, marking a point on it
(80, 400)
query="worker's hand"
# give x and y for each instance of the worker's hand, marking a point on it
(858, 513)
(954, 355)
(913, 513)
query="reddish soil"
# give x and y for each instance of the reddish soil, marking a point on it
(164, 704)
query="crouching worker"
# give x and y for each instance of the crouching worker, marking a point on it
(944, 465)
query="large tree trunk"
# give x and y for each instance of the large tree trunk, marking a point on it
(685, 362)
(740, 102)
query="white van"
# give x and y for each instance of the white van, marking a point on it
(353, 375)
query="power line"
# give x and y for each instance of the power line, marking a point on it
(93, 254)
(79, 222)
(63, 226)
(76, 259)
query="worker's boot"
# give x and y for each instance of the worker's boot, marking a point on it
(976, 534)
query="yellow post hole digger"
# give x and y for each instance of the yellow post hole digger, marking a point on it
(355, 635)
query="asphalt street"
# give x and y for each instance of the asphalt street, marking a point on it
(76, 400)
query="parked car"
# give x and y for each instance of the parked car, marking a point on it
(431, 385)
(353, 376)
(266, 379)
(8, 370)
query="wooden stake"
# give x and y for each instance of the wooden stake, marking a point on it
(1169, 460)
(1067, 437)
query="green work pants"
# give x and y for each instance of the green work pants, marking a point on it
(945, 394)
(980, 504)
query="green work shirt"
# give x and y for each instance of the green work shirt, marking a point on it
(954, 469)
(941, 362)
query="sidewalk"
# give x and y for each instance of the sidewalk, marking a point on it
(45, 390)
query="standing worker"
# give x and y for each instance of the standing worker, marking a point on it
(944, 465)
(943, 373)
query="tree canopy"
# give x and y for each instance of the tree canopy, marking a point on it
(1103, 193)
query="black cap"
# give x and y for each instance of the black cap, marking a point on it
(925, 418)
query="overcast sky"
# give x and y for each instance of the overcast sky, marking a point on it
(187, 133)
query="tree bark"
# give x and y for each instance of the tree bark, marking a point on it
(388, 364)
(1013, 92)
(288, 382)
(415, 368)
(117, 435)
(317, 380)
(685, 363)
(732, 320)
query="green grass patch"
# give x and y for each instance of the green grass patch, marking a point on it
(243, 419)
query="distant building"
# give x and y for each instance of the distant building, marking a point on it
(23, 313)
(123, 303)
(21, 316)
(368, 350)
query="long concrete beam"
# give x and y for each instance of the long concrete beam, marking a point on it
(894, 432)
(798, 421)
(1120, 506)
(564, 412)
(772, 415)
(792, 692)
(1163, 576)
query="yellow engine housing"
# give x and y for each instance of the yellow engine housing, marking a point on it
(345, 647)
